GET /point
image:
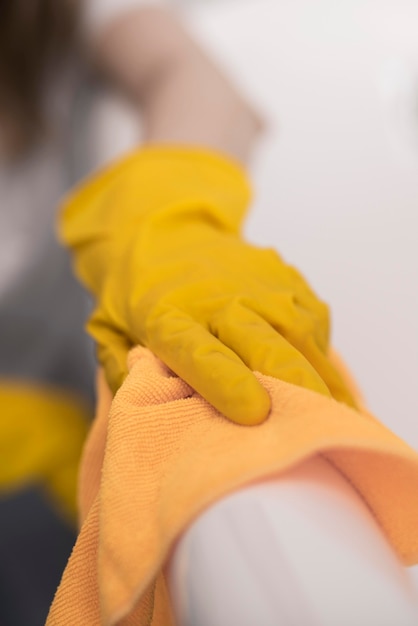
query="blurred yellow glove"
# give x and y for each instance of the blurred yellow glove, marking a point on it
(41, 438)
(157, 240)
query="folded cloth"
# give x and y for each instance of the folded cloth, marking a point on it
(162, 454)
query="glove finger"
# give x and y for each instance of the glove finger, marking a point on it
(210, 367)
(328, 372)
(303, 361)
(293, 321)
(278, 275)
(112, 351)
(308, 334)
(263, 349)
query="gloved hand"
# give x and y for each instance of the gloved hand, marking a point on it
(157, 239)
(41, 436)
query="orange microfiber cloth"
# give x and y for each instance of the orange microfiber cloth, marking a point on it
(162, 454)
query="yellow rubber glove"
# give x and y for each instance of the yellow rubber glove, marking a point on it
(157, 239)
(41, 437)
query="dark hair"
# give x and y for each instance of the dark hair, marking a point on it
(34, 36)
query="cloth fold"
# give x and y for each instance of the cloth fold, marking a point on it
(159, 454)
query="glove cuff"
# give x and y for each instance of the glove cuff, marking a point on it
(151, 184)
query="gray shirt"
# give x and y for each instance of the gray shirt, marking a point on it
(42, 307)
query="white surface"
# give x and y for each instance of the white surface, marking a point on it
(300, 550)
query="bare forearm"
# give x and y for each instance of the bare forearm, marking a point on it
(184, 98)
